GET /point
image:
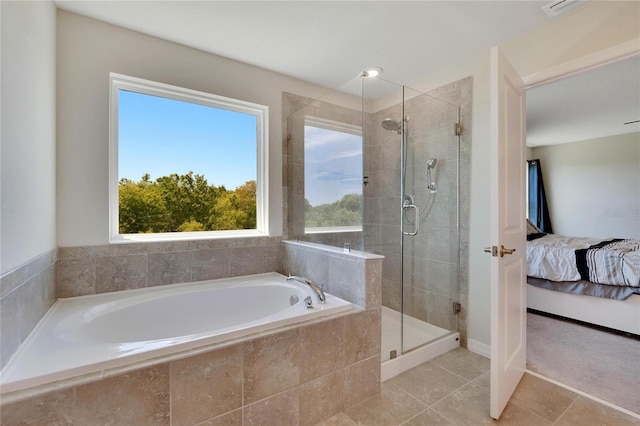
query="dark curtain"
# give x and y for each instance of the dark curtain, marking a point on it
(538, 208)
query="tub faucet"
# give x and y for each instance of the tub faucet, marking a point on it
(316, 289)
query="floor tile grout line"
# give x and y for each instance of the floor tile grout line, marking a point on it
(411, 395)
(447, 395)
(411, 418)
(453, 372)
(584, 394)
(459, 375)
(565, 410)
(438, 413)
(522, 407)
(430, 406)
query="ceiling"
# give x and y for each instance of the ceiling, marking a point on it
(588, 105)
(330, 42)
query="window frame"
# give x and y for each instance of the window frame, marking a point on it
(119, 82)
(336, 126)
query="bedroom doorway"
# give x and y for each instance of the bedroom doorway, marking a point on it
(603, 218)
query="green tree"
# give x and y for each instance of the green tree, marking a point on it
(235, 209)
(191, 226)
(344, 212)
(141, 207)
(187, 198)
(184, 203)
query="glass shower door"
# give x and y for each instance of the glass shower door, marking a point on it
(430, 220)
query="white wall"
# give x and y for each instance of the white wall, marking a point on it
(27, 171)
(582, 31)
(593, 186)
(88, 50)
(595, 26)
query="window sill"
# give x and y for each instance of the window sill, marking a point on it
(332, 229)
(184, 236)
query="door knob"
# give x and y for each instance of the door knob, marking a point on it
(504, 251)
(495, 251)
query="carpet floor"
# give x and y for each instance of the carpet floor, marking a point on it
(600, 363)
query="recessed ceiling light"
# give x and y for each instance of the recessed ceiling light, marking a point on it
(371, 72)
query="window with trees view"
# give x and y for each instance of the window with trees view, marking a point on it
(184, 163)
(332, 176)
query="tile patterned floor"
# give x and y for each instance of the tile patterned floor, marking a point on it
(453, 389)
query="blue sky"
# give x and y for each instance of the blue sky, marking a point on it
(161, 136)
(332, 165)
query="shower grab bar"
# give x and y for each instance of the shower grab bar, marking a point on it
(406, 206)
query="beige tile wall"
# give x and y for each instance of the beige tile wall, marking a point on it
(294, 110)
(26, 294)
(438, 274)
(295, 376)
(115, 267)
(352, 276)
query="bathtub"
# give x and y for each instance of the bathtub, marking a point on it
(87, 335)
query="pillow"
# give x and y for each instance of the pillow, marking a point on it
(532, 229)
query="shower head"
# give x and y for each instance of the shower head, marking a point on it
(393, 125)
(431, 164)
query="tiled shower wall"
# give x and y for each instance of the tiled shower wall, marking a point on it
(438, 268)
(26, 294)
(435, 268)
(294, 110)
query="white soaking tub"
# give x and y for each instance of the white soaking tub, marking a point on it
(91, 334)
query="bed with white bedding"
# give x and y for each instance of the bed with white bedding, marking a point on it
(588, 279)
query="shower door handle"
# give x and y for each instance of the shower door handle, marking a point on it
(417, 221)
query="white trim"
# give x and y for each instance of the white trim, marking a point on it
(581, 393)
(332, 229)
(185, 236)
(479, 348)
(336, 126)
(407, 361)
(260, 112)
(585, 63)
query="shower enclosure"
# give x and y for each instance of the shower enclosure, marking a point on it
(413, 215)
(408, 192)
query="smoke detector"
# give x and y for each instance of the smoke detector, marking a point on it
(557, 7)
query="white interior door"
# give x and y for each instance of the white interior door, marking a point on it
(508, 265)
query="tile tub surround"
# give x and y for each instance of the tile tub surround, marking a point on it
(26, 294)
(353, 276)
(299, 375)
(115, 267)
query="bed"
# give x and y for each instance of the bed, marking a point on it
(587, 279)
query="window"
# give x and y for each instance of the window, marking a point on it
(332, 176)
(185, 164)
